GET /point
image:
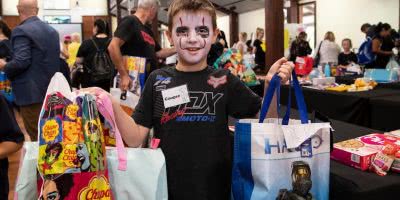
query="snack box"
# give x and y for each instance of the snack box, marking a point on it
(358, 152)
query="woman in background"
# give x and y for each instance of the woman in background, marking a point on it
(328, 50)
(258, 50)
(241, 45)
(382, 45)
(347, 56)
(87, 51)
(300, 47)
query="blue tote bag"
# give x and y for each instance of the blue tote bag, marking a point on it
(281, 158)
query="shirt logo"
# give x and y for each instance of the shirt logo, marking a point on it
(215, 82)
(147, 38)
(201, 108)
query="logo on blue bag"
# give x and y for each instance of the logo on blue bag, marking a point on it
(275, 146)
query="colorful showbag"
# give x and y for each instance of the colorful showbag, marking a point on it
(71, 159)
(274, 161)
(5, 87)
(303, 65)
(242, 68)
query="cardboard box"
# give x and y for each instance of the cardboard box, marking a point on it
(358, 152)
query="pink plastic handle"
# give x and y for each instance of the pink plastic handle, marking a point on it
(105, 108)
(154, 143)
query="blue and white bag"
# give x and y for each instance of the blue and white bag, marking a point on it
(278, 159)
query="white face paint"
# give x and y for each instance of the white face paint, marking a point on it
(192, 35)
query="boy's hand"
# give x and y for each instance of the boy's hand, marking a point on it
(125, 83)
(281, 67)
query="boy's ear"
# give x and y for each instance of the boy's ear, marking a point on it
(215, 35)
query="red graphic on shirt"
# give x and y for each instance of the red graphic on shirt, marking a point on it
(166, 117)
(215, 82)
(147, 38)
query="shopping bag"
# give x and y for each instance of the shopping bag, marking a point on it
(71, 159)
(303, 65)
(281, 159)
(135, 173)
(26, 186)
(136, 69)
(5, 87)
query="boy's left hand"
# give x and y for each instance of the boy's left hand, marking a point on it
(281, 67)
(2, 63)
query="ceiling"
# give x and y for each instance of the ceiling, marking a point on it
(238, 6)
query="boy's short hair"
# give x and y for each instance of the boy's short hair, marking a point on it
(191, 6)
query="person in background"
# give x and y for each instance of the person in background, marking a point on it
(64, 47)
(134, 37)
(241, 45)
(216, 50)
(73, 49)
(368, 30)
(36, 50)
(221, 36)
(258, 50)
(11, 139)
(328, 50)
(5, 45)
(347, 56)
(300, 47)
(87, 51)
(382, 45)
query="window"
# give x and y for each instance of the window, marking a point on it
(307, 17)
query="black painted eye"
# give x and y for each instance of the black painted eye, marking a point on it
(182, 31)
(203, 31)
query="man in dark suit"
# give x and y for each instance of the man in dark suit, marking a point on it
(36, 51)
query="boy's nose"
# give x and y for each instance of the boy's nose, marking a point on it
(192, 38)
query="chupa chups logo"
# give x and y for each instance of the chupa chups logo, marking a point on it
(72, 111)
(98, 188)
(50, 130)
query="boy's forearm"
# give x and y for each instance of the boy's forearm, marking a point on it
(132, 134)
(7, 148)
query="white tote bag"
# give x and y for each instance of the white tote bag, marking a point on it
(275, 161)
(134, 173)
(26, 184)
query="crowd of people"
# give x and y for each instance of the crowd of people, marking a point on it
(383, 38)
(32, 53)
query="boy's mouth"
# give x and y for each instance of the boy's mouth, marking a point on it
(192, 49)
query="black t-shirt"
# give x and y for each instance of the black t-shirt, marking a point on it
(215, 52)
(299, 49)
(139, 41)
(194, 136)
(346, 59)
(88, 50)
(260, 54)
(5, 49)
(381, 60)
(9, 132)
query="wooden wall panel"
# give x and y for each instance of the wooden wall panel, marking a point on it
(11, 21)
(87, 24)
(274, 20)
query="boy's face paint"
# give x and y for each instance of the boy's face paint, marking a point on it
(192, 35)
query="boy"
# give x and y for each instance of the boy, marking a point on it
(188, 107)
(11, 139)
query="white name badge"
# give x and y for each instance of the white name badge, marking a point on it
(175, 96)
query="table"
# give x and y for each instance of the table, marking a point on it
(351, 107)
(388, 106)
(394, 85)
(350, 183)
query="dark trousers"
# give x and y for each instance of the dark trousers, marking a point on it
(30, 116)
